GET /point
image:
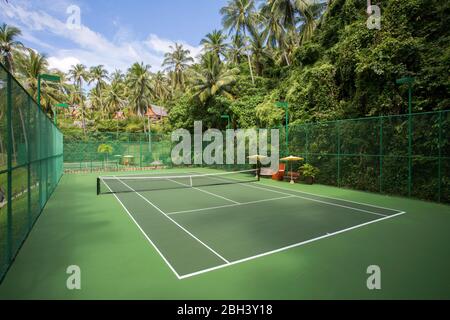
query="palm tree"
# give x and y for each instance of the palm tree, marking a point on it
(213, 79)
(311, 14)
(8, 44)
(273, 29)
(177, 61)
(30, 65)
(291, 12)
(236, 50)
(239, 16)
(117, 76)
(259, 52)
(272, 25)
(78, 73)
(113, 97)
(139, 82)
(98, 74)
(161, 86)
(215, 42)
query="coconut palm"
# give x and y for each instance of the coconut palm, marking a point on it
(309, 18)
(259, 51)
(214, 78)
(177, 61)
(78, 74)
(272, 25)
(236, 50)
(114, 99)
(141, 92)
(161, 86)
(30, 65)
(98, 74)
(215, 42)
(9, 44)
(117, 76)
(289, 12)
(239, 16)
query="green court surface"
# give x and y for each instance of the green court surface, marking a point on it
(252, 240)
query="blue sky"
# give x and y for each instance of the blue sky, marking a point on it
(113, 33)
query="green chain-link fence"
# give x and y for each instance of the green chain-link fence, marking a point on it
(395, 155)
(31, 163)
(100, 151)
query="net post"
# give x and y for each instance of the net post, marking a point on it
(98, 186)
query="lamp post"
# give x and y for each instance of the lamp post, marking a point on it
(409, 81)
(285, 106)
(228, 118)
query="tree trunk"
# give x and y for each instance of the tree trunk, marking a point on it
(249, 61)
(83, 121)
(286, 57)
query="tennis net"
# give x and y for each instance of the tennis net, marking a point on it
(124, 184)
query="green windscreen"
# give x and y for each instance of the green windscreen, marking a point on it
(395, 155)
(31, 165)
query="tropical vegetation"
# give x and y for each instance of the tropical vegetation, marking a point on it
(319, 56)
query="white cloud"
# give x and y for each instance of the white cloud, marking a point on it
(163, 45)
(91, 48)
(62, 64)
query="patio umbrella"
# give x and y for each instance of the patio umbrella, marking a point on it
(292, 159)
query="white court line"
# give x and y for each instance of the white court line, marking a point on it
(315, 200)
(207, 192)
(145, 235)
(266, 253)
(287, 247)
(327, 197)
(176, 223)
(344, 200)
(324, 202)
(231, 205)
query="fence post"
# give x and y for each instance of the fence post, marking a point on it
(440, 158)
(307, 143)
(30, 218)
(381, 154)
(9, 233)
(140, 151)
(409, 155)
(339, 153)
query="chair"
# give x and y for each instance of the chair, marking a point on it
(281, 172)
(266, 172)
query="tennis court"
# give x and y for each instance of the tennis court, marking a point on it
(204, 220)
